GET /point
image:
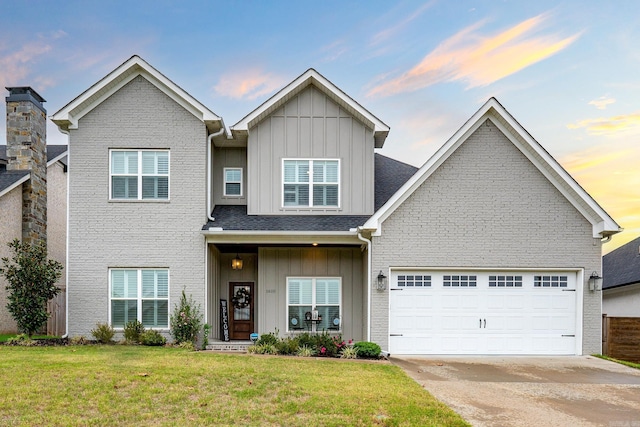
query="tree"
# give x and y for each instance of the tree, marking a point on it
(32, 279)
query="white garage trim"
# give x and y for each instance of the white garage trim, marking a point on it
(520, 310)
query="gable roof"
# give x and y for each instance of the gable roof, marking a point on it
(621, 266)
(390, 174)
(602, 224)
(11, 179)
(312, 77)
(69, 115)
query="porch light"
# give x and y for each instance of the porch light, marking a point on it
(236, 263)
(382, 282)
(595, 282)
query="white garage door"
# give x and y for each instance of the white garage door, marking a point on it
(449, 312)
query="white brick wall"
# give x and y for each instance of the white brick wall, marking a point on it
(57, 216)
(105, 234)
(488, 206)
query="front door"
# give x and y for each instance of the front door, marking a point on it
(241, 310)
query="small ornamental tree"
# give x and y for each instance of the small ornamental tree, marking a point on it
(32, 279)
(186, 321)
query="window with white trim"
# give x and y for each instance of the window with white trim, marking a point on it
(233, 181)
(139, 174)
(311, 183)
(139, 294)
(304, 294)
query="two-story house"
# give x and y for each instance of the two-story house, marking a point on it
(290, 221)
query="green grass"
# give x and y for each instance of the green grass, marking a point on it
(5, 337)
(127, 385)
(622, 362)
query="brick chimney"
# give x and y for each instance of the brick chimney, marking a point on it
(27, 150)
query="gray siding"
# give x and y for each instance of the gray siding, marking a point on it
(105, 234)
(228, 158)
(276, 264)
(310, 125)
(488, 206)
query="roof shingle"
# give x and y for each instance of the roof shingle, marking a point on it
(622, 266)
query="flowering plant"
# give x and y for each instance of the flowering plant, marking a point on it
(186, 320)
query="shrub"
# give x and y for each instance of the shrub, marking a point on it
(367, 350)
(21, 340)
(78, 340)
(152, 338)
(206, 329)
(133, 330)
(31, 279)
(268, 339)
(287, 346)
(305, 351)
(325, 345)
(305, 339)
(186, 345)
(186, 320)
(103, 333)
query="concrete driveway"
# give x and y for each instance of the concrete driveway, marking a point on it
(531, 391)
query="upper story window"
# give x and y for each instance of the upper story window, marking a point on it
(311, 183)
(139, 174)
(233, 181)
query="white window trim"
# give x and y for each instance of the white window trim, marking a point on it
(140, 175)
(139, 295)
(313, 297)
(241, 182)
(310, 205)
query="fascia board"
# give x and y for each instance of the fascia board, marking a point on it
(67, 117)
(55, 159)
(311, 76)
(15, 184)
(280, 237)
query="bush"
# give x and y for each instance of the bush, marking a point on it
(186, 345)
(133, 330)
(305, 351)
(186, 321)
(325, 345)
(268, 339)
(287, 346)
(103, 333)
(305, 339)
(78, 340)
(367, 350)
(152, 338)
(21, 340)
(349, 353)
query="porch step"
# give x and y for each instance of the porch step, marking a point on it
(239, 346)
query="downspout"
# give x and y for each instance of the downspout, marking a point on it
(209, 172)
(66, 255)
(368, 242)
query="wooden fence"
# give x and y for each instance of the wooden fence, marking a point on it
(57, 307)
(621, 338)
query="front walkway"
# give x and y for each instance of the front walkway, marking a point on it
(531, 391)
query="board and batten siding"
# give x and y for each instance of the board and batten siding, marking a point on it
(310, 126)
(134, 234)
(488, 206)
(228, 158)
(276, 264)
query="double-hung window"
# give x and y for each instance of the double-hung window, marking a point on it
(139, 294)
(306, 294)
(233, 182)
(139, 174)
(311, 183)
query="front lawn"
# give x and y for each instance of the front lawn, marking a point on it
(622, 362)
(127, 385)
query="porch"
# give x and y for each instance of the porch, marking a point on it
(287, 289)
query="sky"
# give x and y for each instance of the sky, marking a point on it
(568, 71)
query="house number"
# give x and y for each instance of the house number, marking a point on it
(271, 291)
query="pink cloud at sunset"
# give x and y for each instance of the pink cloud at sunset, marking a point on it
(248, 84)
(609, 125)
(477, 59)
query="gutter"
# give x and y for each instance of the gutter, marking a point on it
(368, 242)
(209, 172)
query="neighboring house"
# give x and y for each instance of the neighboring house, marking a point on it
(33, 192)
(486, 249)
(621, 281)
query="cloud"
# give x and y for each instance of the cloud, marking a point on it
(479, 60)
(602, 102)
(248, 84)
(609, 125)
(17, 65)
(334, 50)
(387, 33)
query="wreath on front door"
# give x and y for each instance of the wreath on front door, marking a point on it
(242, 298)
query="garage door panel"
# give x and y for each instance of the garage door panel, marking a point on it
(501, 319)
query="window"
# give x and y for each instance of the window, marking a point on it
(505, 281)
(233, 181)
(459, 281)
(312, 183)
(550, 281)
(305, 294)
(139, 294)
(414, 280)
(139, 175)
